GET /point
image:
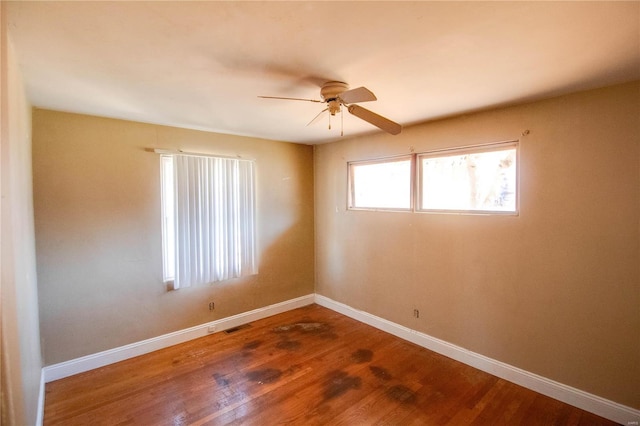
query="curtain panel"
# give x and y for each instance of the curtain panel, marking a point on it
(214, 219)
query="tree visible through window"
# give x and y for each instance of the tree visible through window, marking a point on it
(478, 179)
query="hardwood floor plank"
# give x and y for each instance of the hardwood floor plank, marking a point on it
(309, 366)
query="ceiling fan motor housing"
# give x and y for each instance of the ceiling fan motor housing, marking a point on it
(330, 92)
(333, 89)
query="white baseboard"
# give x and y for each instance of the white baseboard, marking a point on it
(567, 394)
(100, 359)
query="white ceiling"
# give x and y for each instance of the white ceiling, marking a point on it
(201, 65)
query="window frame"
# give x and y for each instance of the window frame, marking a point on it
(416, 175)
(488, 147)
(391, 159)
(170, 233)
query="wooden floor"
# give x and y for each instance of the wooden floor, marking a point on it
(310, 366)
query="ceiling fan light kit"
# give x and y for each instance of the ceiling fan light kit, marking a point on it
(337, 94)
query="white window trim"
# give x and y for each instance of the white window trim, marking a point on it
(350, 186)
(416, 179)
(488, 147)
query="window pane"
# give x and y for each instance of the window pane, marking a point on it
(168, 228)
(469, 181)
(382, 184)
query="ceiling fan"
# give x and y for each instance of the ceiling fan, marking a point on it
(336, 94)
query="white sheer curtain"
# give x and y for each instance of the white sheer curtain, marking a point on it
(214, 219)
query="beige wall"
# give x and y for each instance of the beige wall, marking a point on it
(97, 210)
(555, 290)
(21, 361)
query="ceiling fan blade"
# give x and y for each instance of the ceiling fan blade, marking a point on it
(375, 119)
(289, 99)
(317, 116)
(360, 94)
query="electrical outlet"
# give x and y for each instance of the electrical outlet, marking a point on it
(416, 313)
(212, 306)
(211, 329)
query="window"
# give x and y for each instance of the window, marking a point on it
(208, 219)
(479, 179)
(380, 184)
